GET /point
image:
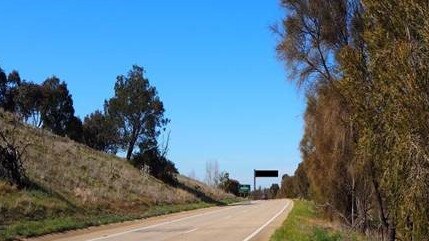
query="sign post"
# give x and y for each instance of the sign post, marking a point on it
(263, 173)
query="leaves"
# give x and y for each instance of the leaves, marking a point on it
(137, 111)
(100, 132)
(365, 146)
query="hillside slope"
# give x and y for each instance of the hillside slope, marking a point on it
(72, 181)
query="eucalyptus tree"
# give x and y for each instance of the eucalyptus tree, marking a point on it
(312, 35)
(365, 146)
(57, 111)
(8, 89)
(138, 112)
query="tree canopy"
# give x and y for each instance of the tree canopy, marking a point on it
(100, 132)
(57, 110)
(138, 112)
(132, 119)
(364, 65)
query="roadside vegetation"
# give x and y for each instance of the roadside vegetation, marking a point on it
(58, 173)
(306, 223)
(363, 65)
(73, 186)
(30, 227)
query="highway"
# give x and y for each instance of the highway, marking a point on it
(251, 221)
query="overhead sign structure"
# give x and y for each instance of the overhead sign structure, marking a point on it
(266, 173)
(244, 189)
(263, 173)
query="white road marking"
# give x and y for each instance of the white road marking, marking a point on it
(190, 231)
(265, 224)
(159, 224)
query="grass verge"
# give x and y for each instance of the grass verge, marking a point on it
(24, 229)
(304, 223)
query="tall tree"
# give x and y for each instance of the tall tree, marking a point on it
(29, 101)
(311, 36)
(57, 107)
(392, 112)
(3, 87)
(212, 173)
(137, 110)
(365, 145)
(8, 89)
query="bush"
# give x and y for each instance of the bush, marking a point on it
(11, 168)
(157, 165)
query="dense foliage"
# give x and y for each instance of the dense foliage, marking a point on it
(364, 66)
(157, 165)
(137, 111)
(100, 132)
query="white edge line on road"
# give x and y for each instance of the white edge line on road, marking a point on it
(159, 224)
(190, 231)
(266, 224)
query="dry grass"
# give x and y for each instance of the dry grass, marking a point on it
(70, 178)
(214, 193)
(85, 176)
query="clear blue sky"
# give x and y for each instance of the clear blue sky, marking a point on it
(213, 63)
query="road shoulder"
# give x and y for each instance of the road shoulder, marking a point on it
(266, 233)
(103, 230)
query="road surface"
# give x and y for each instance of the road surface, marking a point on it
(254, 221)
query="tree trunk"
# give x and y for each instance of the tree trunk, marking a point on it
(353, 200)
(134, 136)
(380, 206)
(379, 199)
(131, 147)
(392, 232)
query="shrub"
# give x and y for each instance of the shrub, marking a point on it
(158, 166)
(11, 156)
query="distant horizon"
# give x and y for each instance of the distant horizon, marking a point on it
(213, 64)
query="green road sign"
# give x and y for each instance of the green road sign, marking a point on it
(244, 188)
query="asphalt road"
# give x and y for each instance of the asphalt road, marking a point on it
(251, 221)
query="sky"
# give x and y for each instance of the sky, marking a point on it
(213, 63)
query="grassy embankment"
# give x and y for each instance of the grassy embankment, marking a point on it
(75, 187)
(305, 223)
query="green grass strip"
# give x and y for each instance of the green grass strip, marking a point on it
(303, 224)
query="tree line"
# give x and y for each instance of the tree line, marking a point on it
(131, 121)
(364, 66)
